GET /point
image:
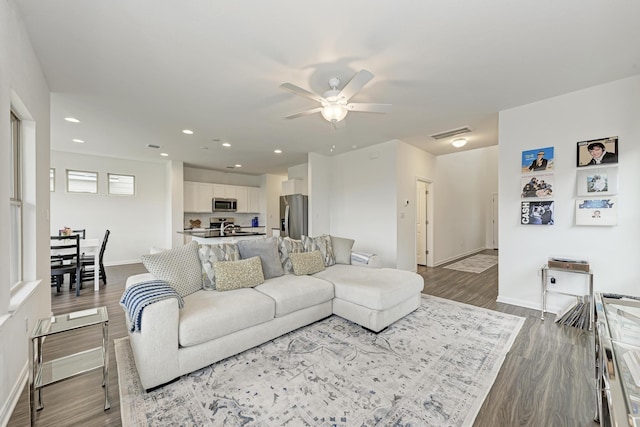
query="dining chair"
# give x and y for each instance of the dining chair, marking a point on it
(65, 258)
(89, 261)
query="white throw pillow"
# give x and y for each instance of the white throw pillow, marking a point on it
(179, 267)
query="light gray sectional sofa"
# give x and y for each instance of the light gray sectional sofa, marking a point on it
(215, 324)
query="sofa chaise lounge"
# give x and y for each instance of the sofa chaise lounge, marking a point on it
(215, 324)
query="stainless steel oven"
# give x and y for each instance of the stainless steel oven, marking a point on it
(224, 205)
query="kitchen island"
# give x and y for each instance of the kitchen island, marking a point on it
(209, 236)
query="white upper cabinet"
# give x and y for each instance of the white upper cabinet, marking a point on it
(253, 200)
(198, 195)
(241, 198)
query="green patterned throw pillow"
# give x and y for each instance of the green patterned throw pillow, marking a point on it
(306, 263)
(245, 273)
(179, 267)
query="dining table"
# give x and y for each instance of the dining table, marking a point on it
(91, 247)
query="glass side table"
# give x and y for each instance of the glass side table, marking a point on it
(43, 374)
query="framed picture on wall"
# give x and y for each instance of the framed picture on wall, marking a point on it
(540, 159)
(597, 211)
(536, 213)
(537, 186)
(603, 151)
(597, 182)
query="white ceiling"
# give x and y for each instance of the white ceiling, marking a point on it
(138, 72)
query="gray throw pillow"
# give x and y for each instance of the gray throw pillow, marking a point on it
(323, 244)
(179, 267)
(245, 273)
(342, 249)
(287, 247)
(209, 255)
(267, 250)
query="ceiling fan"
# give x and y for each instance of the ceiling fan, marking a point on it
(335, 102)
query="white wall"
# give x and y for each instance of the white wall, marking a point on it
(319, 185)
(136, 222)
(465, 184)
(23, 86)
(607, 110)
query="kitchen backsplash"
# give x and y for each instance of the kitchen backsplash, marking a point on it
(242, 219)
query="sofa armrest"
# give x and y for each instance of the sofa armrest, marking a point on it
(366, 260)
(138, 278)
(155, 347)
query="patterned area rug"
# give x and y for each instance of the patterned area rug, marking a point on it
(432, 368)
(474, 264)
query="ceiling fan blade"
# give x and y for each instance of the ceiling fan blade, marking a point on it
(304, 113)
(302, 92)
(369, 108)
(358, 81)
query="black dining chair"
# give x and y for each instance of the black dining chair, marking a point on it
(89, 261)
(65, 258)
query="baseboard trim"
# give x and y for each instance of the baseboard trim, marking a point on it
(122, 262)
(14, 396)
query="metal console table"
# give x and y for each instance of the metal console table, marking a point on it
(545, 290)
(46, 373)
(617, 354)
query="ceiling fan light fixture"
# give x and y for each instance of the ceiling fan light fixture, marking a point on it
(459, 142)
(334, 112)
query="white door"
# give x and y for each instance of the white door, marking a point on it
(494, 222)
(421, 222)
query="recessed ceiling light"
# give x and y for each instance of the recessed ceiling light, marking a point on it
(460, 142)
(72, 119)
(187, 131)
(226, 144)
(79, 141)
(237, 165)
(277, 151)
(164, 154)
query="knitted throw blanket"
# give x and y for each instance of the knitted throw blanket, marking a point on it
(138, 296)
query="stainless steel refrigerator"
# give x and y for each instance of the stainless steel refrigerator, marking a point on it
(293, 215)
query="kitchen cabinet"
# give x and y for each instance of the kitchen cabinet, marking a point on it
(197, 196)
(253, 200)
(219, 190)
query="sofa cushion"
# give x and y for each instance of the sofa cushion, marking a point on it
(375, 288)
(179, 267)
(307, 263)
(292, 293)
(323, 244)
(209, 255)
(342, 249)
(267, 250)
(210, 315)
(244, 273)
(287, 247)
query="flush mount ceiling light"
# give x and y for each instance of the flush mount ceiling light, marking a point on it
(459, 142)
(187, 131)
(72, 119)
(226, 144)
(164, 154)
(277, 151)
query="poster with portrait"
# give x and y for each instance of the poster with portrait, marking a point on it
(536, 213)
(597, 211)
(540, 159)
(603, 151)
(596, 182)
(537, 186)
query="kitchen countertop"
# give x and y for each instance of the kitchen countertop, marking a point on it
(212, 233)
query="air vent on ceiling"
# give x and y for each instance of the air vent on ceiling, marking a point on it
(152, 146)
(450, 133)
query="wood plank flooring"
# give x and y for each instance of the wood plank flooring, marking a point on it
(546, 379)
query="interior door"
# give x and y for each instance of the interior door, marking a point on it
(421, 223)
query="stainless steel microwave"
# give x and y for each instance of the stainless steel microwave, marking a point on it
(224, 205)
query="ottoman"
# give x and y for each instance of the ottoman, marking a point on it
(373, 297)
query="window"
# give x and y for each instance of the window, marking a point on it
(82, 182)
(15, 253)
(52, 179)
(122, 184)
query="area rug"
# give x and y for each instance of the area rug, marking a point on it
(434, 367)
(474, 264)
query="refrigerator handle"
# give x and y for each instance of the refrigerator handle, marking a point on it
(286, 220)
